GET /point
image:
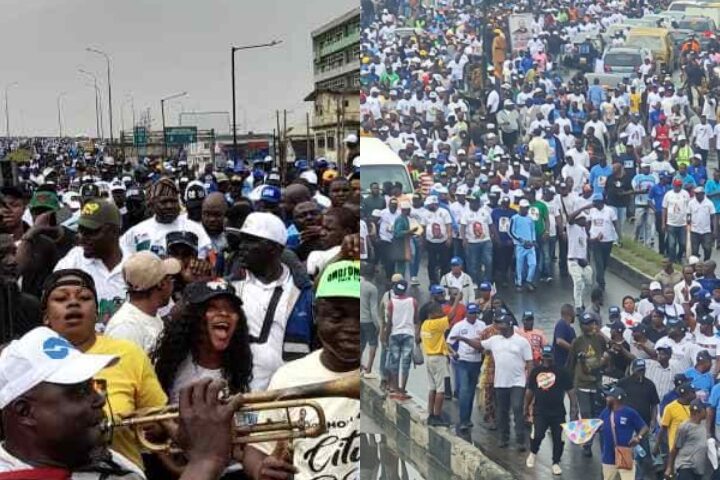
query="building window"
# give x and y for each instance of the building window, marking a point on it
(331, 142)
(318, 108)
(320, 142)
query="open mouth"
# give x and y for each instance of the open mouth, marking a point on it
(220, 329)
(73, 317)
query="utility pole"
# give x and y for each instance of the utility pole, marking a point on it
(338, 159)
(234, 49)
(59, 109)
(98, 113)
(110, 114)
(285, 140)
(307, 136)
(7, 110)
(279, 139)
(162, 112)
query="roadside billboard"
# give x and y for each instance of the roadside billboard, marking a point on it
(519, 28)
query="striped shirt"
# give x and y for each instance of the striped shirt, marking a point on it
(661, 377)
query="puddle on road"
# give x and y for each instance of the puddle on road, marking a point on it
(389, 455)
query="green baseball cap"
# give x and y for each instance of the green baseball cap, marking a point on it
(340, 279)
(46, 200)
(97, 213)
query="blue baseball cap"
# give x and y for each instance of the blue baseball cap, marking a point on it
(589, 317)
(637, 364)
(436, 290)
(270, 193)
(547, 351)
(472, 308)
(528, 314)
(614, 311)
(485, 286)
(675, 322)
(301, 165)
(456, 261)
(702, 294)
(321, 163)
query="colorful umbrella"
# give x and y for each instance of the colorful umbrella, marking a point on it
(582, 431)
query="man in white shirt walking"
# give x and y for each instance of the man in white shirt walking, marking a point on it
(701, 212)
(150, 286)
(675, 207)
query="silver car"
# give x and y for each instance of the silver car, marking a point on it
(624, 59)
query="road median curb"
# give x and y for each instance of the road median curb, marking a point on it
(463, 459)
(627, 272)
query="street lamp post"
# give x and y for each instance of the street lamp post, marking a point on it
(234, 49)
(162, 112)
(59, 109)
(97, 101)
(7, 110)
(110, 114)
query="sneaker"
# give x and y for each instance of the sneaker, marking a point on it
(521, 448)
(414, 281)
(556, 470)
(462, 428)
(530, 462)
(518, 288)
(548, 279)
(431, 420)
(370, 376)
(530, 287)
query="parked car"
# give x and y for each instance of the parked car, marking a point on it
(658, 41)
(624, 59)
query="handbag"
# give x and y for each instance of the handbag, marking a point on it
(623, 455)
(417, 355)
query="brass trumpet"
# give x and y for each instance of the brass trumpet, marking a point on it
(285, 399)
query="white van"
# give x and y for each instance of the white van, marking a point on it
(379, 164)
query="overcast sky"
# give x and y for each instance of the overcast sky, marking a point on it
(157, 48)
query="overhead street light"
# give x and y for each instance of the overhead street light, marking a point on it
(110, 114)
(234, 49)
(59, 110)
(98, 111)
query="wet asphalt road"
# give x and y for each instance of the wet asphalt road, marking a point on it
(545, 302)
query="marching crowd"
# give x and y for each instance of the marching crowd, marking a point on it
(132, 285)
(543, 167)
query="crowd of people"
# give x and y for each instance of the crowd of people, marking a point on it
(541, 174)
(133, 284)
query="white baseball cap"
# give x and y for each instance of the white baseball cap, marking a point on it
(265, 225)
(524, 203)
(41, 355)
(310, 176)
(351, 138)
(655, 286)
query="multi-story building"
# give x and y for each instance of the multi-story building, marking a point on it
(336, 78)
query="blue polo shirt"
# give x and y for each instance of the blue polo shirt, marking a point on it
(657, 193)
(700, 381)
(712, 187)
(627, 423)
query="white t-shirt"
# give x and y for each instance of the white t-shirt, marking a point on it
(681, 352)
(577, 242)
(150, 235)
(477, 225)
(403, 315)
(468, 330)
(363, 240)
(675, 204)
(131, 323)
(110, 285)
(578, 173)
(703, 342)
(510, 355)
(386, 224)
(256, 295)
(9, 463)
(334, 454)
(436, 225)
(189, 372)
(601, 223)
(701, 214)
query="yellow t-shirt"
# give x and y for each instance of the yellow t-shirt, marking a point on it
(635, 101)
(131, 384)
(432, 335)
(674, 414)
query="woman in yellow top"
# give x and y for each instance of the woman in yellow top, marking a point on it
(69, 307)
(432, 336)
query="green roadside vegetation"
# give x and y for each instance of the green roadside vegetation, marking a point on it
(639, 256)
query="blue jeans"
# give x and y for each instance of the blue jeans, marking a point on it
(548, 249)
(601, 255)
(524, 257)
(675, 243)
(480, 255)
(415, 260)
(469, 372)
(400, 354)
(622, 216)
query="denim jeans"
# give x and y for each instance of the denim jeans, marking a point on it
(675, 243)
(524, 257)
(546, 267)
(507, 399)
(438, 260)
(622, 216)
(601, 255)
(701, 239)
(644, 225)
(480, 255)
(415, 260)
(469, 372)
(400, 354)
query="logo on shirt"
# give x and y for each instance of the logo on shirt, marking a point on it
(546, 380)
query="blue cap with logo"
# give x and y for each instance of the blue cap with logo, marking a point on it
(436, 290)
(270, 194)
(485, 286)
(472, 308)
(614, 311)
(456, 261)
